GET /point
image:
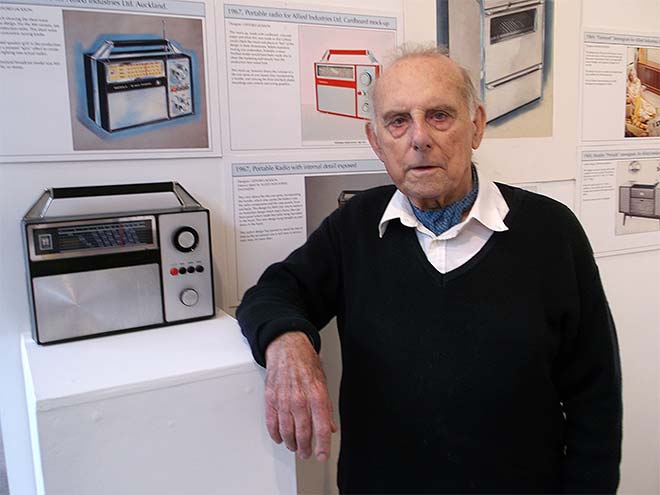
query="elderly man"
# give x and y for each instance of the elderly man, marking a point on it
(478, 350)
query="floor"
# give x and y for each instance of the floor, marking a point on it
(4, 488)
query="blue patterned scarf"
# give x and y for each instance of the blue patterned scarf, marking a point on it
(442, 219)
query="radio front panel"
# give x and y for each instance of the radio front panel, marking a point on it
(186, 265)
(79, 304)
(338, 100)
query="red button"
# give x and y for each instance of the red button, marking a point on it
(174, 271)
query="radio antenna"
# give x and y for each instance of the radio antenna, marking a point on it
(164, 34)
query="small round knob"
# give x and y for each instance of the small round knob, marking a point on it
(186, 239)
(189, 297)
(365, 78)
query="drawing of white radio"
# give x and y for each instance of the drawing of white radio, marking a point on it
(137, 82)
(341, 87)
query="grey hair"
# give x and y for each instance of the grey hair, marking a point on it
(410, 50)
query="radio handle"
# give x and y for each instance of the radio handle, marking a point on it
(331, 52)
(145, 42)
(39, 209)
(108, 46)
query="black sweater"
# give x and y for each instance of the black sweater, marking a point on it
(501, 376)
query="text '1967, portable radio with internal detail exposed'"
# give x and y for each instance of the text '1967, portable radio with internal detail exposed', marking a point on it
(136, 82)
(105, 259)
(342, 84)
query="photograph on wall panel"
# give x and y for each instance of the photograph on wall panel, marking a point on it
(506, 46)
(311, 68)
(620, 87)
(135, 81)
(107, 80)
(643, 92)
(277, 205)
(619, 198)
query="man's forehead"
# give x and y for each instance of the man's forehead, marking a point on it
(435, 79)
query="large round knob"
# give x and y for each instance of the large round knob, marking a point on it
(185, 239)
(189, 297)
(365, 78)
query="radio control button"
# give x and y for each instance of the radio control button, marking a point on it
(191, 269)
(189, 297)
(199, 268)
(365, 78)
(174, 271)
(182, 270)
(365, 107)
(186, 239)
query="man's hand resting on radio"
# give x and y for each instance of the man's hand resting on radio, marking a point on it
(298, 407)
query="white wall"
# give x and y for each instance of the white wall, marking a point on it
(632, 281)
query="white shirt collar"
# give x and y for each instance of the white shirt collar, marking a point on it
(489, 209)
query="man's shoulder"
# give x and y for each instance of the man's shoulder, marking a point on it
(523, 201)
(539, 213)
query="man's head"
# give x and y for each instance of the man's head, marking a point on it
(426, 122)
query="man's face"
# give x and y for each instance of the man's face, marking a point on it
(424, 133)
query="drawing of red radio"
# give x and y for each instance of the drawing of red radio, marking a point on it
(341, 87)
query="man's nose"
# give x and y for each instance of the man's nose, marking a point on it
(421, 139)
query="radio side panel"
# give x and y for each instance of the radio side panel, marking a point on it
(624, 199)
(89, 86)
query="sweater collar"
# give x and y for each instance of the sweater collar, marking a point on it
(489, 209)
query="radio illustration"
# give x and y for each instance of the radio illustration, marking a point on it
(341, 87)
(132, 83)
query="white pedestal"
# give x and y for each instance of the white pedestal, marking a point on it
(175, 410)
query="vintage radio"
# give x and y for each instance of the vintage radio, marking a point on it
(137, 82)
(341, 87)
(104, 259)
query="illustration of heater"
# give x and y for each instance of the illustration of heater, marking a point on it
(342, 84)
(137, 82)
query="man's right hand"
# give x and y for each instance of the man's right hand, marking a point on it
(298, 407)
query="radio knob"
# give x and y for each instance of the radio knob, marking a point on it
(365, 78)
(189, 297)
(186, 239)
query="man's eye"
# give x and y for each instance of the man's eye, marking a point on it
(397, 121)
(439, 116)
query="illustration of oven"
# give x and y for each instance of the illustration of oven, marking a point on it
(501, 43)
(137, 82)
(342, 84)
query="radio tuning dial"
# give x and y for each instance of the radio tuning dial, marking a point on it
(189, 297)
(186, 239)
(365, 78)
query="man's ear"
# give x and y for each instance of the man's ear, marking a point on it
(373, 139)
(479, 123)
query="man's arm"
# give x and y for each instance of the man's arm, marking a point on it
(281, 317)
(589, 382)
(298, 406)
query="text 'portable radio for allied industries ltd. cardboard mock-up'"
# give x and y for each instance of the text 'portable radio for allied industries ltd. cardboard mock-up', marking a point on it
(343, 83)
(113, 258)
(137, 82)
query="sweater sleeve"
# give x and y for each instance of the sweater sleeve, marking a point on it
(297, 294)
(589, 382)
